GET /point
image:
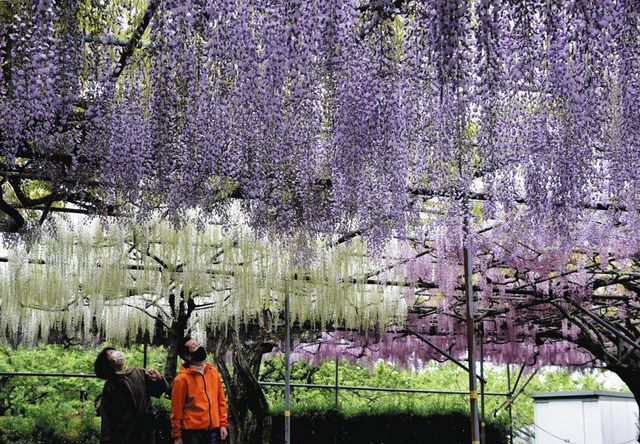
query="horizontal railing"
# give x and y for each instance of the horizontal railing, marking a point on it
(281, 384)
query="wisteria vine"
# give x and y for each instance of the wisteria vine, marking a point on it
(329, 116)
(424, 120)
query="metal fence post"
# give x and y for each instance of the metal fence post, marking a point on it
(483, 423)
(337, 383)
(287, 370)
(509, 407)
(473, 387)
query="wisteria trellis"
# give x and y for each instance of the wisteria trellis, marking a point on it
(121, 279)
(338, 117)
(329, 115)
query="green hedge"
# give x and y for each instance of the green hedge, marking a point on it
(45, 425)
(372, 428)
(311, 426)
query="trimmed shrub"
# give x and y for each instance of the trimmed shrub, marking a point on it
(313, 427)
(45, 425)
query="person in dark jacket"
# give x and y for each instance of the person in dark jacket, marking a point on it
(125, 404)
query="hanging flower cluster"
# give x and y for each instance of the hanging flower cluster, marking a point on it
(329, 116)
(407, 351)
(532, 296)
(120, 280)
(540, 296)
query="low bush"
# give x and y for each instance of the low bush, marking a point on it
(312, 426)
(382, 427)
(47, 424)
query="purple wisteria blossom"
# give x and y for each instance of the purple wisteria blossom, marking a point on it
(511, 125)
(332, 116)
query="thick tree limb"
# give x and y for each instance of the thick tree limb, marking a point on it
(136, 37)
(18, 219)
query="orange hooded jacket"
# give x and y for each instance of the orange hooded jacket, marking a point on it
(197, 400)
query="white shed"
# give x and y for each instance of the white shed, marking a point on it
(585, 417)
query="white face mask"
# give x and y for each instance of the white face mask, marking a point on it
(117, 358)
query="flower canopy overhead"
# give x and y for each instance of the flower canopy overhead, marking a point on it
(329, 116)
(512, 123)
(120, 279)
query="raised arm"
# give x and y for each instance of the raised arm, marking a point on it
(156, 383)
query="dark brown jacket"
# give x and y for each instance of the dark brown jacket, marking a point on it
(124, 401)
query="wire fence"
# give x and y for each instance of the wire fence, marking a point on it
(281, 384)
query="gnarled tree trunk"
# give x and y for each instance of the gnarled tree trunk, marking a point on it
(249, 415)
(180, 318)
(631, 376)
(176, 333)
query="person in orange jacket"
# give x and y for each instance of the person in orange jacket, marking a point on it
(198, 405)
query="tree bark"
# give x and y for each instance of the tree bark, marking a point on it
(631, 377)
(176, 333)
(180, 312)
(249, 414)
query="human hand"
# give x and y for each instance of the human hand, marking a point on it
(177, 440)
(153, 374)
(223, 433)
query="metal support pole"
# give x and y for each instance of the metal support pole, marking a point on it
(49, 375)
(483, 431)
(509, 402)
(473, 387)
(515, 394)
(337, 383)
(287, 370)
(515, 384)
